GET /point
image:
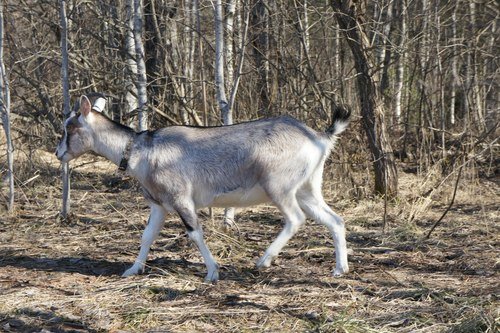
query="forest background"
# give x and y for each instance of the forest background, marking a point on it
(421, 77)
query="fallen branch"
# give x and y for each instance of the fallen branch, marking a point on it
(449, 206)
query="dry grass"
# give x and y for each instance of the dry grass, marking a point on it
(64, 277)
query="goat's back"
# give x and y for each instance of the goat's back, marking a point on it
(217, 160)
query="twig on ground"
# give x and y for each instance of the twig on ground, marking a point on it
(449, 206)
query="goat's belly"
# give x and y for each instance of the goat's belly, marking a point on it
(241, 198)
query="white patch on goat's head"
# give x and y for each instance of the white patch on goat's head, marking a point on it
(77, 137)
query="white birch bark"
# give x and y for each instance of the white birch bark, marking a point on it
(141, 66)
(454, 65)
(440, 79)
(66, 109)
(227, 118)
(400, 69)
(189, 33)
(229, 24)
(131, 77)
(222, 53)
(5, 113)
(477, 97)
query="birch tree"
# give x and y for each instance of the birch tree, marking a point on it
(141, 66)
(66, 109)
(130, 60)
(5, 112)
(225, 105)
(227, 117)
(455, 80)
(260, 45)
(400, 69)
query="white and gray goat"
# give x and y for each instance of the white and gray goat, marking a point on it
(184, 168)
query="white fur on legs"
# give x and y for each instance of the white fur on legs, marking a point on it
(316, 209)
(213, 269)
(155, 223)
(294, 218)
(229, 221)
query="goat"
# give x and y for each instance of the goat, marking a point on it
(183, 168)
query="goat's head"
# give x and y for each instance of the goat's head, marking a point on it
(78, 135)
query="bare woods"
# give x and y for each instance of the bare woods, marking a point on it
(421, 76)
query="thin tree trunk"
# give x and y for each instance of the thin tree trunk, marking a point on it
(5, 111)
(400, 70)
(131, 60)
(385, 47)
(190, 47)
(239, 67)
(230, 212)
(440, 80)
(153, 48)
(386, 181)
(260, 43)
(229, 56)
(141, 66)
(226, 113)
(455, 80)
(227, 118)
(66, 109)
(476, 98)
(201, 56)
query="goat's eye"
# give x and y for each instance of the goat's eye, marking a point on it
(70, 127)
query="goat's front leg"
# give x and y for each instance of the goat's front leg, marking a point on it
(155, 223)
(195, 232)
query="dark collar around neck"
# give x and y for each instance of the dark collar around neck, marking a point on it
(126, 155)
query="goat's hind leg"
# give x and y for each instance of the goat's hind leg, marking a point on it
(316, 208)
(294, 219)
(155, 223)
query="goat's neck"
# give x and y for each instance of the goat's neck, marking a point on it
(110, 141)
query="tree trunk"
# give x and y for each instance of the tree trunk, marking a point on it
(386, 181)
(440, 80)
(66, 109)
(455, 79)
(201, 56)
(384, 57)
(131, 61)
(229, 54)
(227, 118)
(189, 47)
(400, 69)
(155, 54)
(260, 44)
(141, 82)
(476, 95)
(5, 112)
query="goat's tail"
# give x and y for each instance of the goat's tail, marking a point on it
(340, 119)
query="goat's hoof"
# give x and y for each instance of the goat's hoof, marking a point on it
(338, 272)
(212, 277)
(265, 261)
(134, 270)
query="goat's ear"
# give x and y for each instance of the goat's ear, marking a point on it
(85, 106)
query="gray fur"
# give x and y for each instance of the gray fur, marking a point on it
(182, 169)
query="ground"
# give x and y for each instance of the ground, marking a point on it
(60, 276)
